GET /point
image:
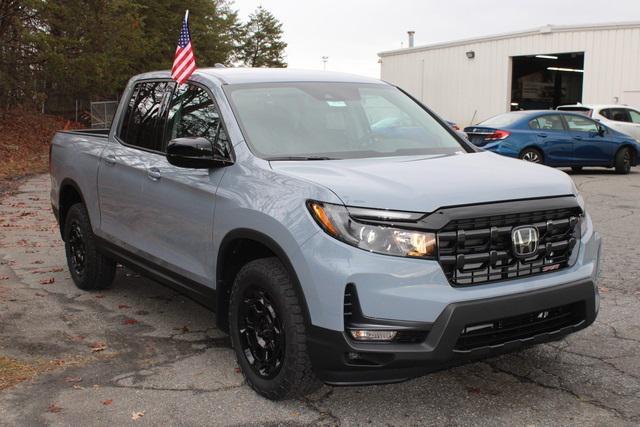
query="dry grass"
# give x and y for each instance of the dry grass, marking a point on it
(24, 141)
(14, 371)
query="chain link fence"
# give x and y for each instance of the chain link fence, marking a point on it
(102, 113)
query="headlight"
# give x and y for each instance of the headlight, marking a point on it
(379, 238)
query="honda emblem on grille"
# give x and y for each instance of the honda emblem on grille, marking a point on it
(525, 241)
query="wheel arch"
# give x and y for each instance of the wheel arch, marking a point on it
(632, 151)
(247, 245)
(69, 195)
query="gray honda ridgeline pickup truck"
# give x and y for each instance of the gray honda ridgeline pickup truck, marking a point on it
(341, 231)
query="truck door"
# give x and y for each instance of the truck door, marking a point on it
(123, 167)
(179, 227)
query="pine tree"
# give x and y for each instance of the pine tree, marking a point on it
(262, 44)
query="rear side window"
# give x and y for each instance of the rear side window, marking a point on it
(550, 122)
(192, 113)
(142, 122)
(502, 120)
(577, 109)
(581, 124)
(616, 114)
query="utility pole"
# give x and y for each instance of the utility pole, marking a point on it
(324, 62)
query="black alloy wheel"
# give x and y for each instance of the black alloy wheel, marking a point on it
(90, 269)
(77, 249)
(262, 337)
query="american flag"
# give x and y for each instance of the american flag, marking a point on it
(184, 63)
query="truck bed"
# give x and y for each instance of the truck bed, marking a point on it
(101, 133)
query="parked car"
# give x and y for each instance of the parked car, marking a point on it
(331, 249)
(454, 126)
(619, 117)
(556, 138)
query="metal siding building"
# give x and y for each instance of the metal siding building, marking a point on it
(470, 90)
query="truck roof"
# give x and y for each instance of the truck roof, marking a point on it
(269, 75)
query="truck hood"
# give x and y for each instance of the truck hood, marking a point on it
(424, 184)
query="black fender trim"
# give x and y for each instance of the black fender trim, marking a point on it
(60, 211)
(223, 289)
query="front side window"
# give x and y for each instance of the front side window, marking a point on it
(581, 124)
(192, 113)
(550, 122)
(335, 120)
(635, 116)
(142, 124)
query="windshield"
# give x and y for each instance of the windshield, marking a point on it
(335, 121)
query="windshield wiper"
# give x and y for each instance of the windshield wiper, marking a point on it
(300, 158)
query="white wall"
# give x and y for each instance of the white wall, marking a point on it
(458, 88)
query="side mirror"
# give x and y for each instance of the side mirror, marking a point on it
(193, 152)
(601, 130)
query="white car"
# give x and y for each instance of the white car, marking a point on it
(619, 117)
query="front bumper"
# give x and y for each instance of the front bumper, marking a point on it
(339, 360)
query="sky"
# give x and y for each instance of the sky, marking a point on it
(351, 32)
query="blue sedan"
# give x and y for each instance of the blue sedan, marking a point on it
(556, 139)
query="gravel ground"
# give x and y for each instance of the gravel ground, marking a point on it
(140, 354)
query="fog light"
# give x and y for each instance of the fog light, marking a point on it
(367, 335)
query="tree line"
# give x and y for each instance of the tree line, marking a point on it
(55, 52)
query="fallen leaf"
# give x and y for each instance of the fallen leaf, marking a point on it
(48, 281)
(54, 409)
(73, 379)
(38, 294)
(603, 289)
(98, 346)
(237, 370)
(142, 313)
(4, 277)
(122, 306)
(137, 415)
(107, 402)
(38, 262)
(129, 321)
(473, 390)
(99, 296)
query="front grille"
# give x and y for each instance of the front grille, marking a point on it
(520, 327)
(480, 250)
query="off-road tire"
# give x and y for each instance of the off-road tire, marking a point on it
(99, 270)
(295, 377)
(623, 161)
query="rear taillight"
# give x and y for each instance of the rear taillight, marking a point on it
(497, 135)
